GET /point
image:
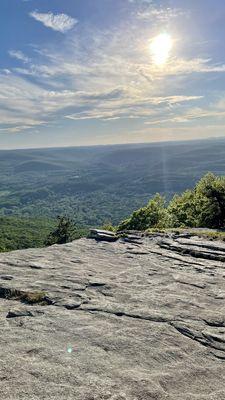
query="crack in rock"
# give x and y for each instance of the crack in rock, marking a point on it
(151, 318)
(192, 250)
(145, 327)
(205, 338)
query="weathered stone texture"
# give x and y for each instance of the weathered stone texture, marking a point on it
(136, 319)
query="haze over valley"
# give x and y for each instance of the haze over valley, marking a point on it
(99, 184)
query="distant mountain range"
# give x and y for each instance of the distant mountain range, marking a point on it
(102, 183)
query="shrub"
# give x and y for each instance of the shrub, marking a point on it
(210, 201)
(203, 206)
(182, 210)
(154, 215)
(107, 226)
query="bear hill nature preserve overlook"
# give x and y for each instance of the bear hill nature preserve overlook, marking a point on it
(112, 200)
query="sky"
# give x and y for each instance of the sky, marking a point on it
(90, 72)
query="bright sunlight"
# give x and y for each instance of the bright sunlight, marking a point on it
(160, 48)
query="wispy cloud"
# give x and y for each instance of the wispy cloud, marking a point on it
(104, 76)
(155, 12)
(159, 14)
(58, 22)
(19, 55)
(126, 106)
(190, 115)
(140, 1)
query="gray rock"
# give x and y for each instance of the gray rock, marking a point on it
(196, 248)
(107, 236)
(23, 313)
(19, 313)
(115, 328)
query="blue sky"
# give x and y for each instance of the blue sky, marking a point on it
(81, 72)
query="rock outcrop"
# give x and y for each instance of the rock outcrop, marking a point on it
(99, 234)
(141, 318)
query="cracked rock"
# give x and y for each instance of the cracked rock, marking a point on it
(135, 319)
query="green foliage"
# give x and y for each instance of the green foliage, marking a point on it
(203, 206)
(64, 232)
(153, 215)
(21, 233)
(182, 209)
(101, 183)
(210, 201)
(107, 226)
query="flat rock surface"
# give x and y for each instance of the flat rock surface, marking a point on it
(141, 318)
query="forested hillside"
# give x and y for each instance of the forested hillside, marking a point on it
(21, 233)
(103, 183)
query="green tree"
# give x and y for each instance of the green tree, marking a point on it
(210, 201)
(154, 215)
(182, 210)
(203, 206)
(63, 233)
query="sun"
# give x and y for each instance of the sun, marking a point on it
(160, 48)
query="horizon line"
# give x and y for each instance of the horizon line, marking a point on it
(116, 144)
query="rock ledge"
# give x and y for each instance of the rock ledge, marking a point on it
(139, 318)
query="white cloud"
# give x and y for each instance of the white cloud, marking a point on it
(190, 115)
(58, 22)
(140, 1)
(104, 76)
(19, 55)
(127, 107)
(160, 14)
(180, 67)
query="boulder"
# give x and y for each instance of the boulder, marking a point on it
(102, 235)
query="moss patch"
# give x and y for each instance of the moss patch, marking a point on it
(25, 297)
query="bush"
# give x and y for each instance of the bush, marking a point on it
(210, 201)
(154, 215)
(203, 206)
(182, 210)
(108, 226)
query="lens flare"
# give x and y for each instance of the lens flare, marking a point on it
(69, 350)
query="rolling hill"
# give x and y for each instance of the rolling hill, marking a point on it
(102, 183)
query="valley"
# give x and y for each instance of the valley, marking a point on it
(98, 184)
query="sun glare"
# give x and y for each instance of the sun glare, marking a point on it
(160, 47)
